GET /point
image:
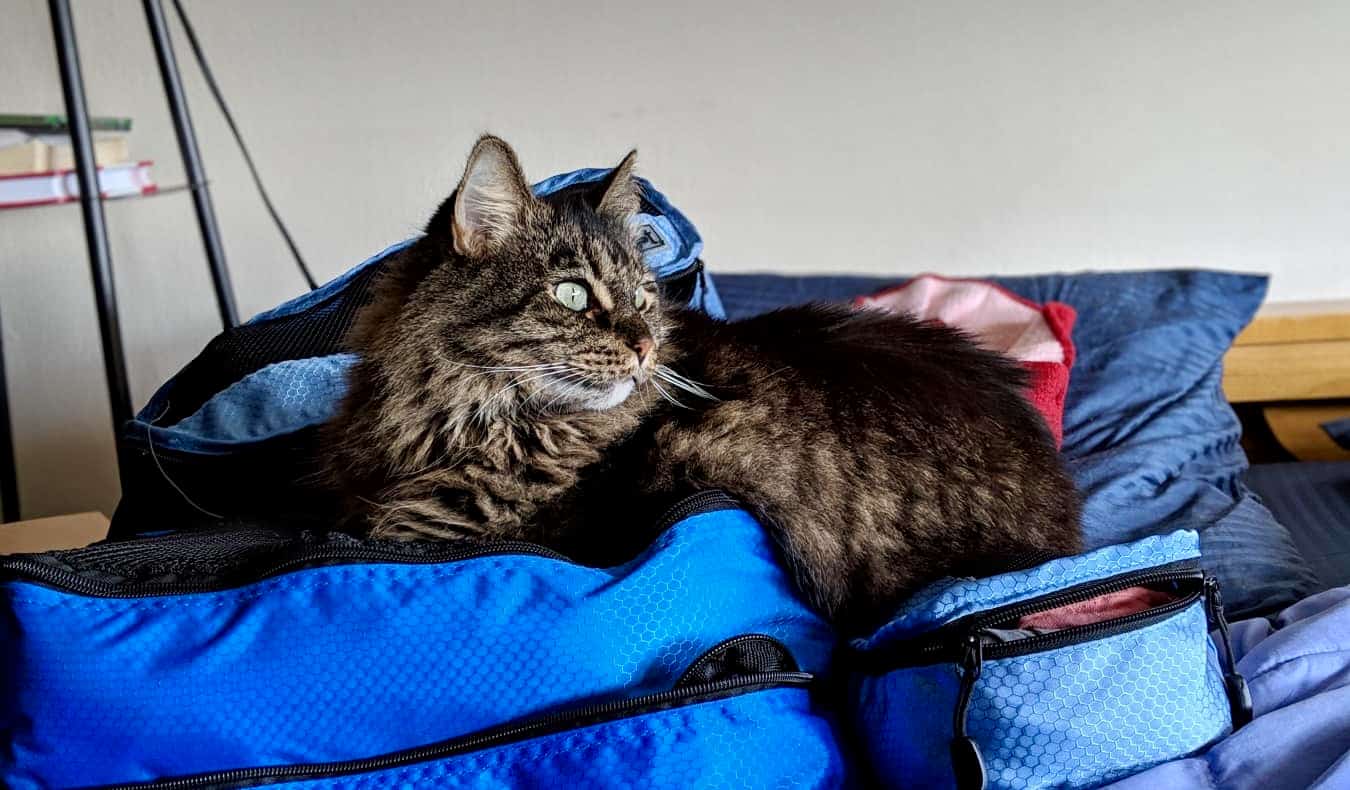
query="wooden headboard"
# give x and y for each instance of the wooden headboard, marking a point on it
(1287, 373)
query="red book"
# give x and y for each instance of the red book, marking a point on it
(62, 186)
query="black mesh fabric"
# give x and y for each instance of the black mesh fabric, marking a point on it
(171, 558)
(740, 657)
(208, 559)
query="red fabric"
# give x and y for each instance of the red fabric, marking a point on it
(1050, 380)
(1097, 610)
(1002, 321)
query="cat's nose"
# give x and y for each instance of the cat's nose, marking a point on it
(642, 347)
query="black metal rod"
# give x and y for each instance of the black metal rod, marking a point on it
(192, 161)
(91, 207)
(9, 471)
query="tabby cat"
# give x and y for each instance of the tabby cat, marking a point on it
(520, 377)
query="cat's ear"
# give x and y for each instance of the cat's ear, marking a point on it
(491, 199)
(619, 198)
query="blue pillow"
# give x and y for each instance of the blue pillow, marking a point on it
(1148, 435)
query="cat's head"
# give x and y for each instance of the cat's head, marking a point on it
(550, 292)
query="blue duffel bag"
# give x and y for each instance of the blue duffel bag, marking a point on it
(958, 691)
(230, 438)
(247, 657)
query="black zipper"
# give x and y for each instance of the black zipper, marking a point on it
(28, 569)
(485, 739)
(695, 505)
(967, 760)
(69, 581)
(678, 287)
(1239, 695)
(1087, 633)
(947, 643)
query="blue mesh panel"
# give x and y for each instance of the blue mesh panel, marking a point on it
(357, 660)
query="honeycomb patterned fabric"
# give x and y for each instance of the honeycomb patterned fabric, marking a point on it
(1076, 714)
(357, 660)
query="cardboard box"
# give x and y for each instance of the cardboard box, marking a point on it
(57, 532)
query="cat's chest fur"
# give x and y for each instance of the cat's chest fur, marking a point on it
(461, 458)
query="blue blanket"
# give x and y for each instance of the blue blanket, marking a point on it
(1298, 666)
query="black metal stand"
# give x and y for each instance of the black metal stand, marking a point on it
(9, 473)
(95, 226)
(192, 162)
(91, 207)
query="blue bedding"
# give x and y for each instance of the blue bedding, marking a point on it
(1312, 499)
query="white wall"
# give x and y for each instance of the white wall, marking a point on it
(960, 137)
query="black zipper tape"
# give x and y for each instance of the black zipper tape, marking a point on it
(1240, 706)
(678, 287)
(967, 761)
(681, 695)
(32, 569)
(946, 643)
(695, 505)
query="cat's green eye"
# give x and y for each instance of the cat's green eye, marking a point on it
(571, 295)
(641, 299)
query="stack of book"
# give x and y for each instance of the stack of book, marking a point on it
(37, 161)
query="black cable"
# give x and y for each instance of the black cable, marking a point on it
(238, 138)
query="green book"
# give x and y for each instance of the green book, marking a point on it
(57, 123)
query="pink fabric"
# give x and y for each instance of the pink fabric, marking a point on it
(1097, 610)
(1038, 336)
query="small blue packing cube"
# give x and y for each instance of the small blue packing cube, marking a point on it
(957, 691)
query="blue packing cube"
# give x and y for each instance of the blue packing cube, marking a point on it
(229, 439)
(957, 690)
(242, 657)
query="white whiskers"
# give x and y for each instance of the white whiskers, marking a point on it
(682, 382)
(664, 394)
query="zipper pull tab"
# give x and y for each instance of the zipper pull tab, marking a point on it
(967, 762)
(1239, 695)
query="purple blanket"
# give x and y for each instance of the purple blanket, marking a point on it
(1299, 670)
